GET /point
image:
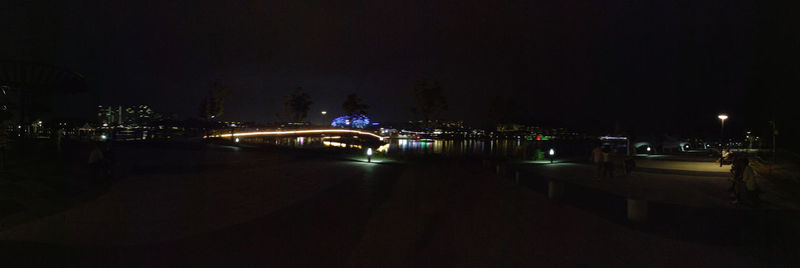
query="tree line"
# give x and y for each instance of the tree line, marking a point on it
(428, 95)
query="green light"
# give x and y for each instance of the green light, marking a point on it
(545, 139)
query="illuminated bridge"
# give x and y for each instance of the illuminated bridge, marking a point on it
(335, 137)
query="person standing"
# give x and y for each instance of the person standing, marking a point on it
(608, 166)
(59, 136)
(2, 152)
(108, 158)
(749, 177)
(737, 172)
(96, 162)
(597, 158)
(630, 163)
(724, 156)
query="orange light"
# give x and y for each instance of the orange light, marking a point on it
(258, 133)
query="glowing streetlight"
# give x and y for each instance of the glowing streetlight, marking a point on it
(324, 112)
(369, 155)
(552, 153)
(237, 140)
(722, 118)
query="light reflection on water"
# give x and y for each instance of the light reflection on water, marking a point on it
(458, 147)
(509, 147)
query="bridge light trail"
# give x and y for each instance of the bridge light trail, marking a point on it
(316, 131)
(384, 148)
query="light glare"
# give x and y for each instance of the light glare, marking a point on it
(256, 133)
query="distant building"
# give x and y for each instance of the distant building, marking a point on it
(137, 115)
(109, 116)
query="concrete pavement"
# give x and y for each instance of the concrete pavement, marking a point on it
(231, 207)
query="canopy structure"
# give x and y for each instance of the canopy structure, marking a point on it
(27, 75)
(28, 89)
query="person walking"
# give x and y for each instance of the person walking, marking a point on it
(597, 158)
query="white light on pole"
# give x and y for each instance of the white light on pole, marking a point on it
(552, 153)
(722, 118)
(369, 155)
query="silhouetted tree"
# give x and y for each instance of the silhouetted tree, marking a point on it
(430, 99)
(352, 105)
(213, 104)
(504, 111)
(297, 104)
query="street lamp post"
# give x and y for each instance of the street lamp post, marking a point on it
(233, 132)
(323, 116)
(722, 118)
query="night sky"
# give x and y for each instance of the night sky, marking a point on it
(644, 65)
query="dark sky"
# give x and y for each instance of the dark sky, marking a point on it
(644, 64)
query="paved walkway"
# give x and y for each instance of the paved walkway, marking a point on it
(431, 215)
(472, 220)
(666, 182)
(699, 191)
(230, 208)
(689, 166)
(171, 194)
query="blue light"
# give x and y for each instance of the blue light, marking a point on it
(355, 121)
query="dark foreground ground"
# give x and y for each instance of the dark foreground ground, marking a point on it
(218, 206)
